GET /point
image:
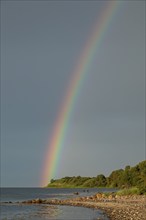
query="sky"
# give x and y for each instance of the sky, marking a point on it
(41, 43)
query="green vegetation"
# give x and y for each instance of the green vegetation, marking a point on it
(130, 191)
(132, 180)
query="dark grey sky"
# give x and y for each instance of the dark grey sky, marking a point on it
(41, 42)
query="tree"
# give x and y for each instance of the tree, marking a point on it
(115, 178)
(52, 181)
(101, 180)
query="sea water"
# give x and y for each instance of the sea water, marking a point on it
(20, 211)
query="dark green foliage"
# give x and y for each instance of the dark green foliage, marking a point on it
(92, 182)
(115, 178)
(52, 181)
(122, 178)
(130, 177)
(101, 180)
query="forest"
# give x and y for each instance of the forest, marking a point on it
(122, 178)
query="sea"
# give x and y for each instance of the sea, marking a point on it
(17, 211)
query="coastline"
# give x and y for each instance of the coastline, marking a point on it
(115, 207)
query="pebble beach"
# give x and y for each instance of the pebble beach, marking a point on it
(115, 207)
(132, 207)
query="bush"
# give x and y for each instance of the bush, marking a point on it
(142, 190)
(130, 191)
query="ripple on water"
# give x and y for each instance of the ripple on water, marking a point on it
(41, 211)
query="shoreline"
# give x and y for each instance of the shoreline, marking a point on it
(132, 207)
(115, 208)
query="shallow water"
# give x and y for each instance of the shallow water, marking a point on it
(25, 212)
(44, 211)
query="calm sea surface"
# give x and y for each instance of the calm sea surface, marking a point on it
(44, 211)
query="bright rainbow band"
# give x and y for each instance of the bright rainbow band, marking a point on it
(56, 143)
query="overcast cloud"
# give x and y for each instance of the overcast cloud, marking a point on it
(41, 42)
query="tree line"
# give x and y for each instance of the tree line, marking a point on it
(121, 178)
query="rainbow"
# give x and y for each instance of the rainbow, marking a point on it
(62, 122)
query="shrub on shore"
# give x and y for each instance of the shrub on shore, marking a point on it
(130, 191)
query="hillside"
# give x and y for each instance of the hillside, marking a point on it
(122, 178)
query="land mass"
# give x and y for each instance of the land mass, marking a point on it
(128, 202)
(131, 179)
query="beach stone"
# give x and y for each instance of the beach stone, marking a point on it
(117, 196)
(38, 200)
(98, 195)
(24, 201)
(111, 197)
(76, 193)
(29, 201)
